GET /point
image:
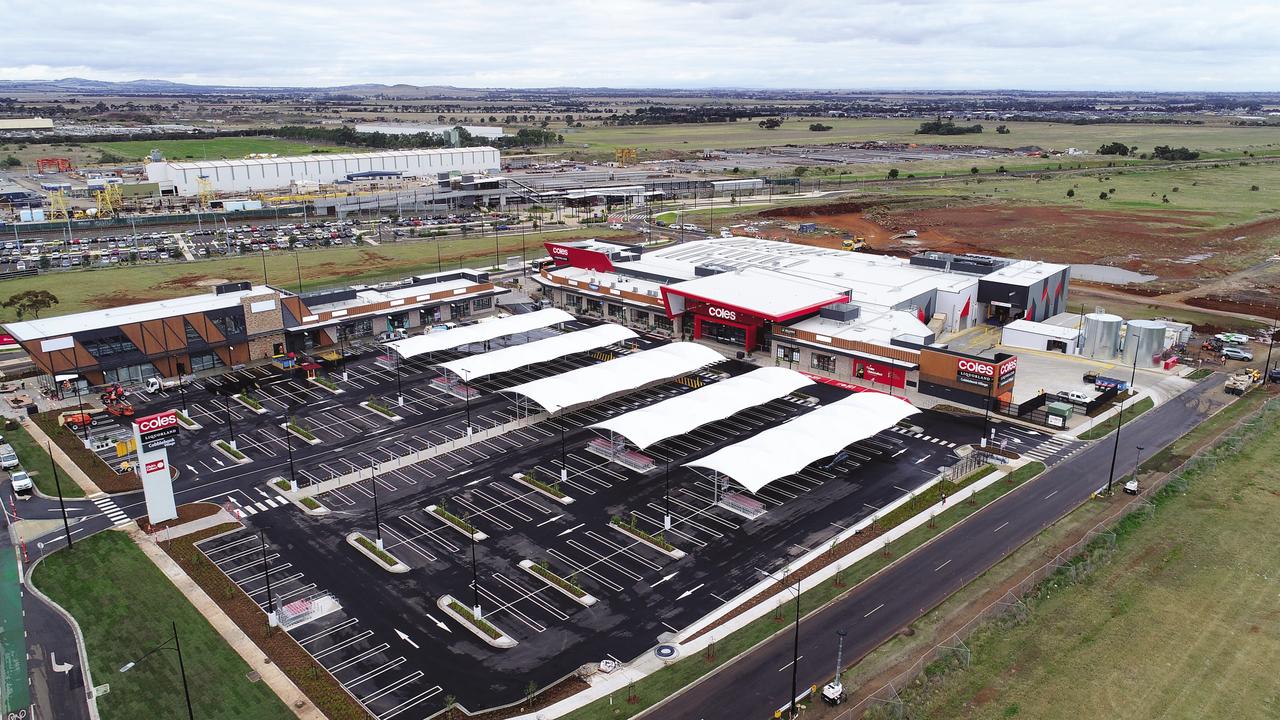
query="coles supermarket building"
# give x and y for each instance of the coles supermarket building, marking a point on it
(867, 320)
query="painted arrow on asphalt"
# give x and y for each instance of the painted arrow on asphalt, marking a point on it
(575, 527)
(53, 660)
(687, 593)
(191, 468)
(439, 624)
(406, 639)
(664, 579)
(220, 463)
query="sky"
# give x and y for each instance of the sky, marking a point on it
(812, 44)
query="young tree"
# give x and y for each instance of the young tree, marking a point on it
(30, 301)
(893, 173)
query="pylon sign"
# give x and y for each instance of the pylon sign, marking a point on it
(153, 435)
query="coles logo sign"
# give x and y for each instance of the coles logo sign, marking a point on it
(159, 421)
(722, 313)
(154, 466)
(559, 251)
(974, 366)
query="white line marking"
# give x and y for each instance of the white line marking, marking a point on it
(873, 610)
(1001, 527)
(942, 566)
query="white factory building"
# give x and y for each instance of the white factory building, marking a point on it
(480, 131)
(236, 176)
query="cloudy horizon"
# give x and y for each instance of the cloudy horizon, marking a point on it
(1142, 45)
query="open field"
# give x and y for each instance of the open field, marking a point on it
(1211, 140)
(319, 267)
(232, 148)
(1181, 623)
(124, 606)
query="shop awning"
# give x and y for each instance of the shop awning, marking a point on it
(707, 404)
(603, 380)
(474, 367)
(786, 449)
(480, 332)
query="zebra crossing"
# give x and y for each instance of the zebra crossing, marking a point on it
(921, 436)
(111, 510)
(1053, 450)
(255, 507)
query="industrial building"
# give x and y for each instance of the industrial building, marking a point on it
(858, 318)
(239, 323)
(238, 176)
(34, 123)
(480, 131)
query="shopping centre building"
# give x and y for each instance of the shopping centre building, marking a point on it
(240, 322)
(869, 320)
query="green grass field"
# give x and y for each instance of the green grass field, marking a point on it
(1180, 623)
(124, 606)
(320, 267)
(231, 148)
(35, 460)
(1224, 194)
(1212, 140)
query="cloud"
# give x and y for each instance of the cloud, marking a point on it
(1030, 44)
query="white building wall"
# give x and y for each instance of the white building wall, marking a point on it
(952, 304)
(1013, 337)
(237, 176)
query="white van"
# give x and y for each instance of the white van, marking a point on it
(8, 458)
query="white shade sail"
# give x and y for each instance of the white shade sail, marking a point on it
(707, 404)
(474, 367)
(786, 449)
(628, 372)
(480, 332)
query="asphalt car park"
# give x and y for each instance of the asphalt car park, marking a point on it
(643, 594)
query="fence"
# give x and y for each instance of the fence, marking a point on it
(968, 464)
(1077, 560)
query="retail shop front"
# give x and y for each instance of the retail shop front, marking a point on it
(729, 326)
(732, 323)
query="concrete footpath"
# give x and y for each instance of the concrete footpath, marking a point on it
(272, 675)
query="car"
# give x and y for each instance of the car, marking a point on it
(1236, 353)
(615, 226)
(8, 458)
(21, 483)
(1073, 396)
(1131, 487)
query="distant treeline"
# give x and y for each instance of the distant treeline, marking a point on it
(525, 137)
(938, 126)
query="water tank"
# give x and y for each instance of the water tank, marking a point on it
(1143, 339)
(1101, 335)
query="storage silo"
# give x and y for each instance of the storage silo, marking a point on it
(1143, 339)
(1101, 335)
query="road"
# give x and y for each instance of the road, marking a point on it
(756, 685)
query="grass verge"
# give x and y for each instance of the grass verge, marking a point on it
(630, 528)
(379, 408)
(466, 527)
(103, 476)
(372, 547)
(569, 585)
(1200, 374)
(674, 677)
(302, 432)
(283, 484)
(326, 382)
(35, 460)
(311, 503)
(310, 677)
(1163, 591)
(226, 448)
(480, 623)
(124, 605)
(1107, 427)
(552, 489)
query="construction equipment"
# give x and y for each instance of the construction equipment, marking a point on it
(110, 201)
(204, 191)
(624, 156)
(855, 243)
(58, 206)
(114, 402)
(53, 164)
(1238, 384)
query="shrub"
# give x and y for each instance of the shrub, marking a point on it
(310, 503)
(568, 584)
(224, 447)
(372, 547)
(458, 522)
(631, 528)
(305, 433)
(480, 623)
(249, 400)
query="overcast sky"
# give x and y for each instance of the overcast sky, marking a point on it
(987, 44)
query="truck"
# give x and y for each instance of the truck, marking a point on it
(1238, 384)
(156, 384)
(1103, 382)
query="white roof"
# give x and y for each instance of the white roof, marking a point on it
(628, 372)
(786, 449)
(140, 312)
(761, 291)
(707, 404)
(1039, 328)
(1024, 272)
(509, 358)
(457, 337)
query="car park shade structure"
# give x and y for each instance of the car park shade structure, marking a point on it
(624, 374)
(788, 448)
(480, 332)
(707, 404)
(474, 367)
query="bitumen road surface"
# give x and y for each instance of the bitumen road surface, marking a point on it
(758, 684)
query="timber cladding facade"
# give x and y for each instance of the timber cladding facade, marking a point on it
(968, 379)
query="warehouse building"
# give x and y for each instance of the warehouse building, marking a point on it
(853, 317)
(236, 176)
(240, 323)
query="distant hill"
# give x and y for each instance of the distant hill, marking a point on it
(81, 86)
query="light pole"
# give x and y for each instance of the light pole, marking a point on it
(1137, 461)
(564, 467)
(1115, 448)
(666, 520)
(177, 647)
(182, 388)
(475, 574)
(66, 525)
(226, 403)
(839, 655)
(466, 399)
(399, 391)
(377, 519)
(288, 445)
(1271, 341)
(795, 645)
(266, 573)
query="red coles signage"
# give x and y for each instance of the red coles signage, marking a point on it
(569, 256)
(159, 421)
(154, 466)
(879, 373)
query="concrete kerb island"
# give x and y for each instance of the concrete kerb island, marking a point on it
(240, 398)
(318, 383)
(354, 538)
(503, 641)
(645, 663)
(187, 423)
(562, 499)
(478, 536)
(393, 416)
(674, 553)
(293, 429)
(586, 599)
(217, 445)
(284, 489)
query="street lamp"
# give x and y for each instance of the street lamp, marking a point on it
(795, 645)
(66, 525)
(226, 404)
(666, 520)
(377, 520)
(1115, 449)
(564, 466)
(177, 647)
(1137, 461)
(266, 574)
(475, 575)
(288, 445)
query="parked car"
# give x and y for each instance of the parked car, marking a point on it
(1236, 353)
(8, 458)
(21, 483)
(1074, 396)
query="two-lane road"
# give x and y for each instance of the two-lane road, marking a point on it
(758, 684)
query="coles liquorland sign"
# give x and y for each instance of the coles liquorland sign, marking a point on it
(157, 431)
(982, 372)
